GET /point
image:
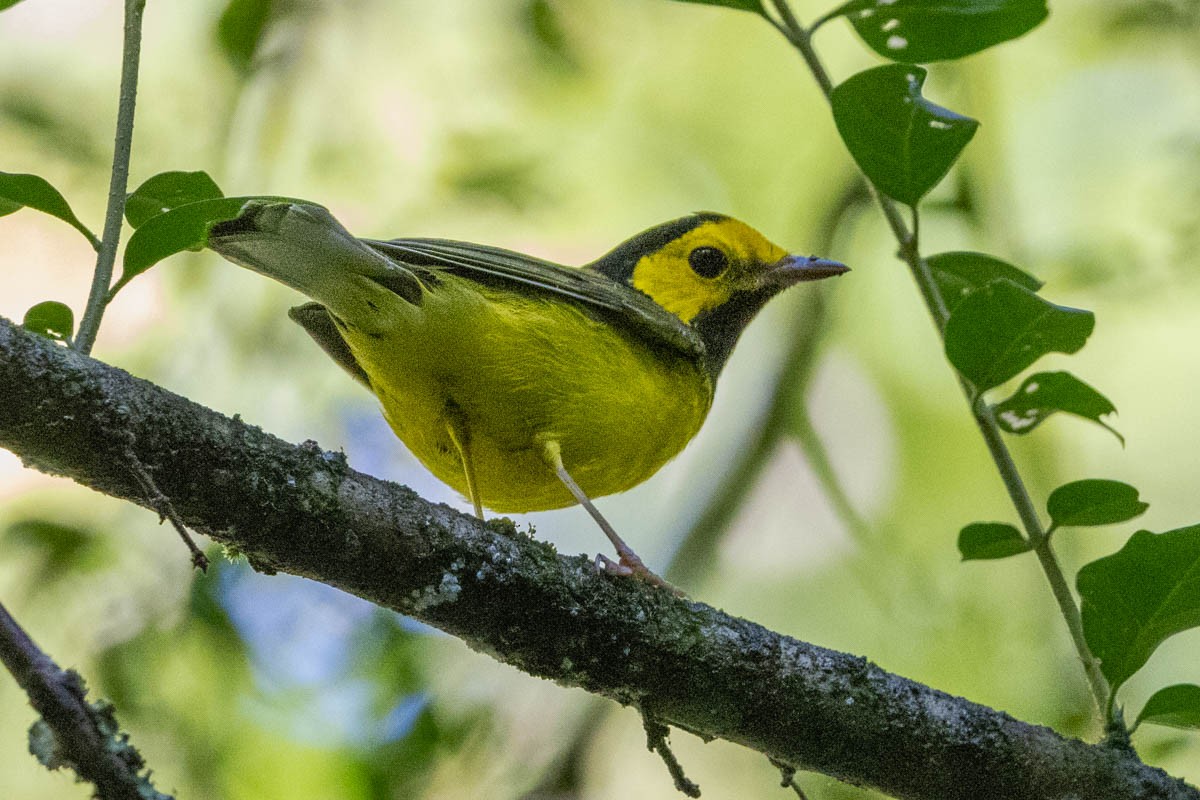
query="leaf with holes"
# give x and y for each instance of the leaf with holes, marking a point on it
(902, 142)
(1138, 597)
(960, 272)
(1045, 393)
(987, 540)
(919, 31)
(168, 190)
(1094, 502)
(1177, 706)
(1000, 329)
(19, 190)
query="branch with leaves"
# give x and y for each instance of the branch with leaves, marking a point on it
(995, 326)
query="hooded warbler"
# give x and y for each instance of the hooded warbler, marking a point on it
(523, 384)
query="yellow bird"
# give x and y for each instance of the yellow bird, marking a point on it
(523, 384)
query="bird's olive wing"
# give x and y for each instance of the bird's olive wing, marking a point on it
(498, 267)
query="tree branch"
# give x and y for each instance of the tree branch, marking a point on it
(72, 732)
(302, 510)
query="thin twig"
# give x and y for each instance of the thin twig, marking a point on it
(107, 254)
(166, 512)
(72, 732)
(656, 742)
(787, 776)
(1019, 495)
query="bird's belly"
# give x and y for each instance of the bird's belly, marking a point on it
(516, 375)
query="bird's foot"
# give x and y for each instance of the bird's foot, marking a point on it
(631, 566)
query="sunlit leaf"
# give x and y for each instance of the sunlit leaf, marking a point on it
(901, 141)
(958, 273)
(168, 190)
(1094, 502)
(987, 540)
(919, 31)
(182, 228)
(1177, 706)
(52, 319)
(1002, 328)
(240, 31)
(1045, 393)
(1136, 598)
(745, 5)
(19, 190)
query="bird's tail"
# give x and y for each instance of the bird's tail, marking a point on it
(304, 247)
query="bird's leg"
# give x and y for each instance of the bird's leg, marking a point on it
(629, 562)
(456, 426)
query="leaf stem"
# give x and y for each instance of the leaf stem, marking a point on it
(107, 254)
(909, 252)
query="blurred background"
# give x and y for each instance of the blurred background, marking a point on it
(824, 496)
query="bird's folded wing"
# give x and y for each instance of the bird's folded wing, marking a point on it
(494, 266)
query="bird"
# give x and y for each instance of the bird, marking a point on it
(523, 384)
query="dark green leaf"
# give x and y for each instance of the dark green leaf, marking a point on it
(901, 141)
(51, 319)
(1043, 394)
(168, 190)
(1177, 706)
(1002, 328)
(958, 273)
(919, 31)
(1136, 598)
(17, 190)
(8, 4)
(182, 228)
(240, 31)
(987, 540)
(745, 5)
(1094, 502)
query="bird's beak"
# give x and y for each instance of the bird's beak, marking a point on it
(790, 270)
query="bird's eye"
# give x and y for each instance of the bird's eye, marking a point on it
(708, 262)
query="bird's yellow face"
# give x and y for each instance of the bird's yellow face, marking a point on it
(705, 267)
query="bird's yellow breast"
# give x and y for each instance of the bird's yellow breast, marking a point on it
(515, 370)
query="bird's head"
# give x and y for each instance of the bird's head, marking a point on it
(711, 271)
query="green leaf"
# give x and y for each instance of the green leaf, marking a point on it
(987, 540)
(168, 190)
(240, 31)
(1000, 329)
(1136, 598)
(19, 190)
(958, 273)
(1094, 502)
(8, 4)
(901, 141)
(744, 5)
(182, 228)
(51, 319)
(1043, 394)
(1177, 706)
(919, 31)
